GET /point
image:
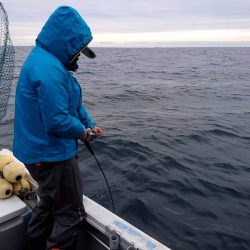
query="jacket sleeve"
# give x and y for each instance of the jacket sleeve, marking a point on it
(53, 100)
(85, 118)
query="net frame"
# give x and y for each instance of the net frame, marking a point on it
(7, 62)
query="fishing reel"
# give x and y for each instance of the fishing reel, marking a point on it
(90, 136)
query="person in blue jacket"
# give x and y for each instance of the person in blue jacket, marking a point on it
(49, 120)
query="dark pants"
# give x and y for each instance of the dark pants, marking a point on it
(59, 214)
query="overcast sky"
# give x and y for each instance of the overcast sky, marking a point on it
(141, 22)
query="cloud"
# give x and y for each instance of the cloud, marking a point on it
(177, 36)
(136, 17)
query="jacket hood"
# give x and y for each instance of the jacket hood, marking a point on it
(64, 34)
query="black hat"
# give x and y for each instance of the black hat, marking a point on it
(88, 52)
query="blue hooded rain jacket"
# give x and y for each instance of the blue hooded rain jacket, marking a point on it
(49, 116)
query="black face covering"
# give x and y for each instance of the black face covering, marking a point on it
(73, 66)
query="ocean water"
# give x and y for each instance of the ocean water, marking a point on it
(176, 149)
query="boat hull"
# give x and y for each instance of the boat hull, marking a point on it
(102, 230)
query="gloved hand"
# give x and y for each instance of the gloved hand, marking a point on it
(98, 131)
(88, 134)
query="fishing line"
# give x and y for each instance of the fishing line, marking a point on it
(99, 165)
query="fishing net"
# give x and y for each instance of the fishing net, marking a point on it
(7, 60)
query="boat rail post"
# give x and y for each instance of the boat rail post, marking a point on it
(114, 241)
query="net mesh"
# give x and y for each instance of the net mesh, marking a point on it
(7, 61)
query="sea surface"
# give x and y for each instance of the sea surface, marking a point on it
(176, 149)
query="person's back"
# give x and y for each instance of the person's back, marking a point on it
(47, 121)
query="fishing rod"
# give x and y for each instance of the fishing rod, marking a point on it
(87, 144)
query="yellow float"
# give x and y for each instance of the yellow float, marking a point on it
(13, 172)
(5, 160)
(6, 189)
(22, 184)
